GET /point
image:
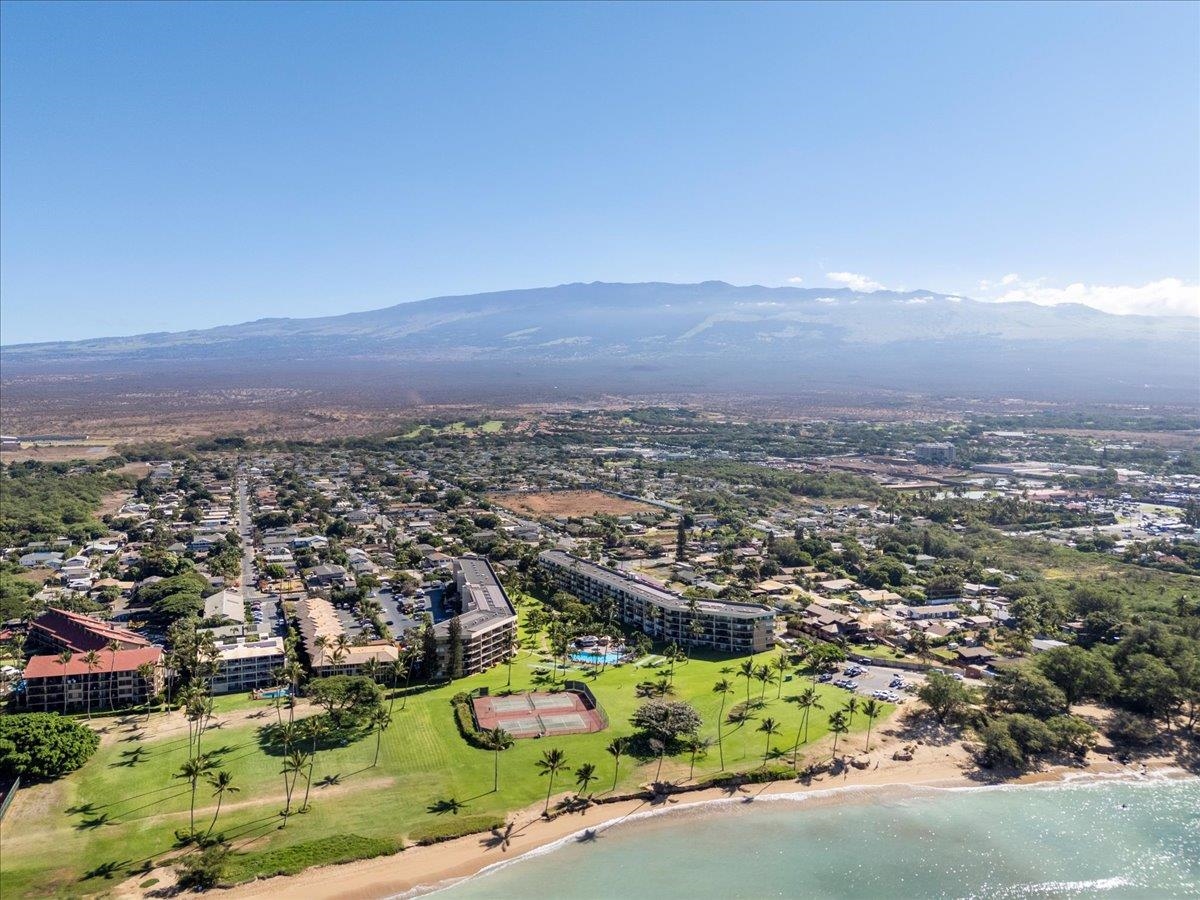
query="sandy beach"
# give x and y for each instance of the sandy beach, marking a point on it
(421, 869)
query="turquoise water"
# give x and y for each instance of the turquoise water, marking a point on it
(1056, 840)
(596, 657)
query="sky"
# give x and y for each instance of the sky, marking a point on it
(173, 166)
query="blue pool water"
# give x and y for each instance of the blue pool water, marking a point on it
(596, 657)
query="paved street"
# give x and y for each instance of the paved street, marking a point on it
(271, 612)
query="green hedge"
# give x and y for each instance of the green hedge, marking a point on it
(466, 722)
(449, 829)
(340, 848)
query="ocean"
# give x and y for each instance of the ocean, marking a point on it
(1088, 837)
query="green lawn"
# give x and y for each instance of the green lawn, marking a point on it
(120, 809)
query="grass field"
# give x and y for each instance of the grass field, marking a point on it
(91, 829)
(491, 426)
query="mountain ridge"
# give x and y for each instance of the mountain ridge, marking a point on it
(707, 335)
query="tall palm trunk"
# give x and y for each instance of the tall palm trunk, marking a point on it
(720, 736)
(213, 823)
(192, 811)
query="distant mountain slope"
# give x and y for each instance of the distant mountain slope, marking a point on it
(707, 336)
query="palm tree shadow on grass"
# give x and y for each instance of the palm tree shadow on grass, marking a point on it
(107, 870)
(96, 821)
(450, 805)
(330, 780)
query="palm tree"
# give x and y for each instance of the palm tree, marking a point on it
(294, 765)
(851, 708)
(410, 659)
(222, 784)
(509, 657)
(780, 665)
(838, 725)
(320, 644)
(616, 749)
(92, 660)
(763, 675)
(112, 647)
(746, 670)
(871, 709)
(292, 673)
(65, 659)
(379, 719)
(771, 728)
(585, 775)
(552, 762)
(397, 670)
(193, 770)
(146, 673)
(698, 747)
(314, 727)
(724, 688)
(807, 700)
(500, 740)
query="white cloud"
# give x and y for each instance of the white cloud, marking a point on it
(854, 281)
(1165, 297)
(795, 279)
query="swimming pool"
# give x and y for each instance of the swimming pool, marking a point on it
(596, 657)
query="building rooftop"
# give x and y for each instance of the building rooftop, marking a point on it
(269, 647)
(122, 661)
(652, 592)
(483, 600)
(82, 633)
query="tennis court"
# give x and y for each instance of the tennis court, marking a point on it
(535, 714)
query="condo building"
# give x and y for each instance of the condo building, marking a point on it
(487, 617)
(717, 624)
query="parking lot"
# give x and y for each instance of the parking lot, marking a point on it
(878, 678)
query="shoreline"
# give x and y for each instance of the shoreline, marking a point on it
(423, 870)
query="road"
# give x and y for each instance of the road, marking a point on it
(271, 613)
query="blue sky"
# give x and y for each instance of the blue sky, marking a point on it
(168, 166)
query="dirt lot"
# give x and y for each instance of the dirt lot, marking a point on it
(56, 453)
(569, 503)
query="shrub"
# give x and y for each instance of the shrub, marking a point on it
(203, 870)
(338, 848)
(465, 720)
(448, 829)
(43, 745)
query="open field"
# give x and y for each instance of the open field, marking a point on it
(569, 503)
(56, 453)
(122, 808)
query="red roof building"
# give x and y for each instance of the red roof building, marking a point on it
(58, 629)
(112, 681)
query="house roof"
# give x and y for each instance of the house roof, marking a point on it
(82, 633)
(48, 666)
